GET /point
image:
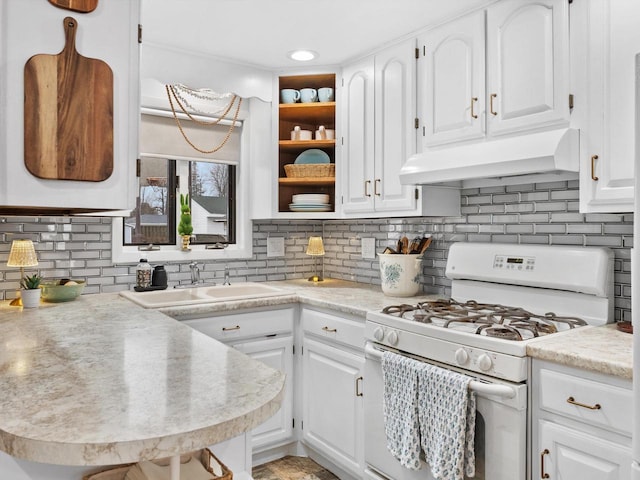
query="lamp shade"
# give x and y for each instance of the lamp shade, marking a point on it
(22, 254)
(315, 246)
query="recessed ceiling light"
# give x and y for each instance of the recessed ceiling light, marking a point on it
(302, 55)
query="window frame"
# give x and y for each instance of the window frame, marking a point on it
(241, 249)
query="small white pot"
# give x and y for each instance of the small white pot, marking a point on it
(30, 298)
(400, 274)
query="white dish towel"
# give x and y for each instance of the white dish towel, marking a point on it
(447, 417)
(400, 407)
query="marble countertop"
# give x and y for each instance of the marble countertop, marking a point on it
(339, 295)
(598, 349)
(101, 381)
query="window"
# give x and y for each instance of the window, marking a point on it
(221, 226)
(210, 187)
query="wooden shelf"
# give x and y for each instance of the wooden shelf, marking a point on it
(315, 112)
(307, 181)
(308, 116)
(289, 145)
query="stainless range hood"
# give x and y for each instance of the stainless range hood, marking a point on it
(536, 157)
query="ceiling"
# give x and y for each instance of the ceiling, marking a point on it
(262, 32)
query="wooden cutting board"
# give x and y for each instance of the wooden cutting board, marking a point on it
(82, 6)
(68, 114)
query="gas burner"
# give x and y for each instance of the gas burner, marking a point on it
(492, 320)
(504, 332)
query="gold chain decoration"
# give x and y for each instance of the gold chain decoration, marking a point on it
(172, 95)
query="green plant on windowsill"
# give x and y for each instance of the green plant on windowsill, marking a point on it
(185, 229)
(31, 282)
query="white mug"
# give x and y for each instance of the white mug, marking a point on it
(299, 134)
(325, 94)
(325, 133)
(308, 95)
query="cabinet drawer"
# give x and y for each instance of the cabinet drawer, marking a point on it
(343, 330)
(587, 401)
(245, 325)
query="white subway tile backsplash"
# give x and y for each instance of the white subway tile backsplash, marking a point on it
(544, 213)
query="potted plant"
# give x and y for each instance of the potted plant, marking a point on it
(185, 229)
(30, 292)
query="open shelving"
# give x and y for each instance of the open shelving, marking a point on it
(308, 116)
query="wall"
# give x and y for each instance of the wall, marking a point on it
(540, 213)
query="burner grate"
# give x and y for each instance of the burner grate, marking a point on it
(494, 320)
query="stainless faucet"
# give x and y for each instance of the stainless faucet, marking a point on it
(226, 276)
(195, 273)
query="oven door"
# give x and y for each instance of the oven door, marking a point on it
(501, 429)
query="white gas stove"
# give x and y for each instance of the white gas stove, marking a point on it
(503, 297)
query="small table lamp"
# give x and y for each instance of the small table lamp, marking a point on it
(22, 254)
(315, 249)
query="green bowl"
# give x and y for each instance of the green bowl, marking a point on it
(52, 291)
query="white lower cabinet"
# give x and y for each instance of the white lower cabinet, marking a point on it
(266, 336)
(332, 372)
(278, 354)
(581, 424)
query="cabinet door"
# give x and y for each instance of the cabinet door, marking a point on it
(612, 41)
(527, 65)
(451, 84)
(395, 132)
(276, 353)
(333, 414)
(357, 139)
(576, 455)
(110, 34)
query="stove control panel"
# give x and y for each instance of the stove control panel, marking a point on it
(507, 262)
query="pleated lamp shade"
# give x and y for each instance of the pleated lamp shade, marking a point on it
(315, 246)
(22, 254)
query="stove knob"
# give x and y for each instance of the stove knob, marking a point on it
(484, 362)
(378, 333)
(392, 337)
(462, 356)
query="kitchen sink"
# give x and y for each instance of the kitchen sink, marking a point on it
(204, 294)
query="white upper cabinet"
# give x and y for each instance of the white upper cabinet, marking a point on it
(527, 65)
(607, 39)
(379, 133)
(395, 138)
(451, 81)
(109, 35)
(508, 72)
(358, 131)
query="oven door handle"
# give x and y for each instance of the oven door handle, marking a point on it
(482, 388)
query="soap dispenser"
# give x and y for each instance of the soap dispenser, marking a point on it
(159, 277)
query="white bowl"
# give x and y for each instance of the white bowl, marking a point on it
(310, 198)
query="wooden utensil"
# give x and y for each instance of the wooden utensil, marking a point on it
(426, 245)
(405, 245)
(68, 114)
(82, 6)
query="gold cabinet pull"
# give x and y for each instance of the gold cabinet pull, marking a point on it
(491, 98)
(542, 472)
(593, 168)
(366, 188)
(376, 192)
(228, 329)
(330, 330)
(572, 401)
(473, 101)
(358, 387)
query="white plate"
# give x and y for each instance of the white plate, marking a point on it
(298, 208)
(310, 198)
(309, 205)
